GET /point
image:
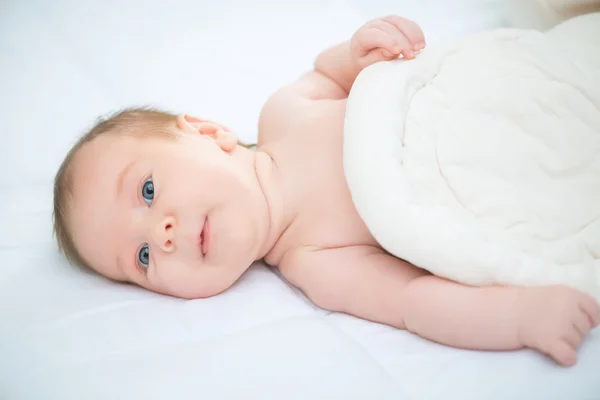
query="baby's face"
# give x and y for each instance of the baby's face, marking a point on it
(176, 216)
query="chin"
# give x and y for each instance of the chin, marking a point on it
(195, 289)
(194, 293)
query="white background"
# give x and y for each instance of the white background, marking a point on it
(63, 63)
(67, 334)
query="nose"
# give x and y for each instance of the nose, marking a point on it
(164, 234)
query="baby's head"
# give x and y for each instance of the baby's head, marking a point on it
(169, 202)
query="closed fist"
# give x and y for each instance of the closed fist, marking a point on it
(555, 319)
(384, 39)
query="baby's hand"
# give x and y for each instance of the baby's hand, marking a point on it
(384, 39)
(555, 319)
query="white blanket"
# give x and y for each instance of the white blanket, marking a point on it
(480, 161)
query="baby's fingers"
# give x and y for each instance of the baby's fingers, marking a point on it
(573, 336)
(582, 323)
(401, 44)
(412, 31)
(377, 37)
(591, 308)
(563, 353)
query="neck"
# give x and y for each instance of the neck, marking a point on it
(278, 216)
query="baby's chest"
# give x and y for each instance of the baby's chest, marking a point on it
(329, 219)
(327, 216)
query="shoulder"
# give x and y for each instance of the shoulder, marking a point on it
(296, 100)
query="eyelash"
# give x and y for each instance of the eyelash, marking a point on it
(141, 188)
(137, 258)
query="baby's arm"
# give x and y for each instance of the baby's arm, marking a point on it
(336, 69)
(378, 40)
(370, 284)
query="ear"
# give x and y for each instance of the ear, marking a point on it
(225, 138)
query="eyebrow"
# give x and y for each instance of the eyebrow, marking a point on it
(121, 177)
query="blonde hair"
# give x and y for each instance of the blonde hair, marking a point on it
(143, 121)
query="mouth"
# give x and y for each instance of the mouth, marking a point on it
(204, 241)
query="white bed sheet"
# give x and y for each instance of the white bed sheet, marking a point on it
(69, 334)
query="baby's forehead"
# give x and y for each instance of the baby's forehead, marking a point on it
(98, 160)
(94, 209)
(108, 148)
(105, 156)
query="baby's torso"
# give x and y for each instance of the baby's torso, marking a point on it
(308, 151)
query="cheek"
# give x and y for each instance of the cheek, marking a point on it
(190, 280)
(171, 272)
(242, 237)
(192, 173)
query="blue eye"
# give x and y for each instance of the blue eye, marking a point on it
(144, 256)
(148, 191)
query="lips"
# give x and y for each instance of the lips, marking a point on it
(204, 241)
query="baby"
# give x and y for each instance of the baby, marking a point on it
(174, 204)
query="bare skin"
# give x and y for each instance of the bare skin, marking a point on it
(288, 203)
(329, 253)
